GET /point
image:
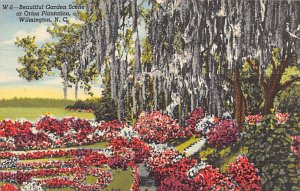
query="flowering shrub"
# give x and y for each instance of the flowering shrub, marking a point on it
(10, 129)
(104, 178)
(122, 158)
(172, 183)
(253, 119)
(141, 150)
(156, 127)
(127, 148)
(208, 178)
(192, 119)
(32, 141)
(224, 133)
(195, 116)
(282, 117)
(47, 154)
(111, 129)
(52, 125)
(244, 174)
(8, 187)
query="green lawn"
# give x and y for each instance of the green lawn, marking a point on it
(61, 189)
(122, 179)
(34, 113)
(100, 145)
(45, 160)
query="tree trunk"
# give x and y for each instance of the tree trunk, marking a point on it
(65, 91)
(271, 85)
(239, 100)
(76, 90)
(269, 98)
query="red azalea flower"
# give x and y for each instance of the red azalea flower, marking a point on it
(8, 187)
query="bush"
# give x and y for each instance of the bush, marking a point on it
(157, 127)
(105, 110)
(89, 104)
(223, 133)
(269, 148)
(244, 174)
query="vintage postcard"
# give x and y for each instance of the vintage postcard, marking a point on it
(166, 95)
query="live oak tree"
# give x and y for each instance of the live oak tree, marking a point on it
(198, 49)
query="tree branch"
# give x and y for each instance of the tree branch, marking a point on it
(288, 83)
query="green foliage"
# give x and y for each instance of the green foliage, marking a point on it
(251, 87)
(289, 100)
(269, 148)
(61, 55)
(106, 110)
(34, 62)
(84, 105)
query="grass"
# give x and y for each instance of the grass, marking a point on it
(35, 102)
(34, 113)
(186, 144)
(45, 160)
(60, 189)
(100, 145)
(122, 179)
(90, 179)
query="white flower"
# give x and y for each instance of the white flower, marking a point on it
(99, 133)
(192, 172)
(94, 123)
(108, 152)
(128, 133)
(205, 124)
(159, 148)
(34, 130)
(53, 137)
(31, 186)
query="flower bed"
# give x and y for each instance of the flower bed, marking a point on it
(128, 146)
(50, 132)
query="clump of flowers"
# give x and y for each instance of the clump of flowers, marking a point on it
(244, 174)
(224, 133)
(32, 186)
(9, 128)
(282, 117)
(253, 119)
(8, 187)
(205, 124)
(157, 127)
(195, 116)
(53, 125)
(111, 129)
(193, 119)
(210, 178)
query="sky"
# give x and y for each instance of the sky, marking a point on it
(11, 85)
